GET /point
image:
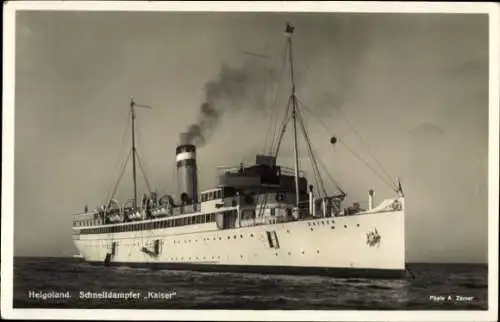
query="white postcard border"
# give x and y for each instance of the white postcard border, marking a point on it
(7, 239)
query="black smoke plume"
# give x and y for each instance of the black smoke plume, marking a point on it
(233, 89)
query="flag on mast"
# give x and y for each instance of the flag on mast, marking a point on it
(289, 30)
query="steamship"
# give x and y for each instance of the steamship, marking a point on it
(262, 217)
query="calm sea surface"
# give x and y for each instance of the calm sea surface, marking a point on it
(196, 290)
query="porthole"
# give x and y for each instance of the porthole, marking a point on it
(235, 237)
(220, 238)
(241, 236)
(333, 227)
(289, 253)
(317, 251)
(345, 226)
(322, 222)
(228, 237)
(357, 225)
(302, 252)
(251, 235)
(312, 229)
(288, 231)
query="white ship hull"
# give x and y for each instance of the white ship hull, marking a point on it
(338, 246)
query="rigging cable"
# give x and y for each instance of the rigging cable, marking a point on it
(313, 160)
(148, 186)
(276, 133)
(275, 98)
(356, 134)
(365, 145)
(350, 150)
(277, 141)
(142, 165)
(120, 148)
(337, 185)
(120, 177)
(274, 115)
(270, 71)
(274, 112)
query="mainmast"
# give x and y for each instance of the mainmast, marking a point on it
(134, 178)
(293, 99)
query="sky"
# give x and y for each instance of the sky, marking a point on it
(409, 89)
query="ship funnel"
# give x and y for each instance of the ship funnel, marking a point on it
(187, 177)
(370, 199)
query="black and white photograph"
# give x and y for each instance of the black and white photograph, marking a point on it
(238, 160)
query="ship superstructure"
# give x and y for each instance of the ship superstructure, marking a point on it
(260, 217)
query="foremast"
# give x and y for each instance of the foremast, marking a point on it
(133, 104)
